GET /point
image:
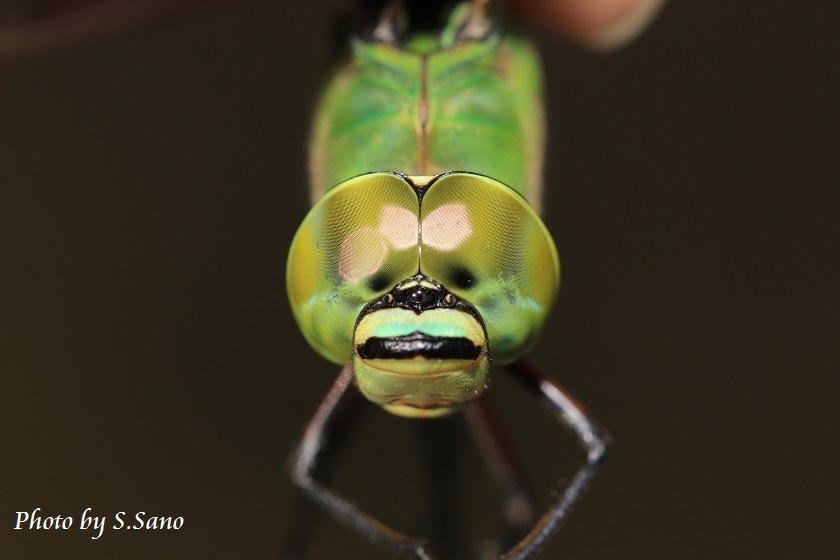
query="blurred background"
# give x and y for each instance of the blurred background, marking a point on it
(151, 181)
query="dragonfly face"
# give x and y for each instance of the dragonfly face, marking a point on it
(419, 281)
(420, 350)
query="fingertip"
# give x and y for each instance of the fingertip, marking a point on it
(597, 24)
(623, 29)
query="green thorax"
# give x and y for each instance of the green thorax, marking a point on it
(428, 107)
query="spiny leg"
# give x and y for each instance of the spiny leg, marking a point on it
(505, 468)
(315, 440)
(440, 457)
(305, 511)
(590, 436)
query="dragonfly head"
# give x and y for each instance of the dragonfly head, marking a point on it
(360, 279)
(420, 350)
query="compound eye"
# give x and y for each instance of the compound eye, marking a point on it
(482, 240)
(355, 243)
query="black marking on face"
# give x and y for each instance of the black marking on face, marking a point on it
(419, 344)
(420, 293)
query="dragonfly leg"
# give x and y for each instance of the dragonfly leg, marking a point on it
(505, 467)
(438, 439)
(591, 437)
(305, 467)
(386, 28)
(477, 25)
(300, 529)
(305, 511)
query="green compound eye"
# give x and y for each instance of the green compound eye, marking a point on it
(355, 243)
(482, 241)
(475, 235)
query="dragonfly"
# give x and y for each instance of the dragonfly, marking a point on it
(424, 258)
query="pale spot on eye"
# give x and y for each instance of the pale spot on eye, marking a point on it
(362, 253)
(447, 226)
(399, 226)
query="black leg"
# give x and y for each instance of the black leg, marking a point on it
(590, 436)
(439, 447)
(300, 529)
(504, 465)
(316, 439)
(304, 511)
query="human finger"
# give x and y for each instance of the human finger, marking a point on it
(598, 24)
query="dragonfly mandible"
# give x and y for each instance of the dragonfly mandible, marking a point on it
(424, 256)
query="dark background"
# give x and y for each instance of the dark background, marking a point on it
(150, 185)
